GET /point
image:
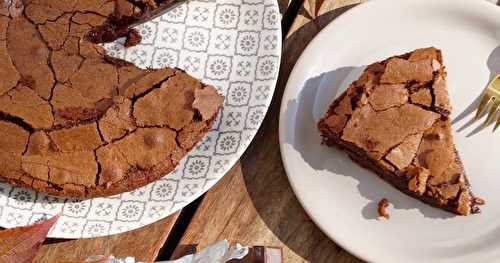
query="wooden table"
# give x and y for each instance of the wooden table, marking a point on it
(253, 204)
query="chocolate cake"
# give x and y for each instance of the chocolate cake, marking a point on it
(76, 122)
(394, 120)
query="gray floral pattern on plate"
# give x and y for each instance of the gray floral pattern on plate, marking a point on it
(234, 45)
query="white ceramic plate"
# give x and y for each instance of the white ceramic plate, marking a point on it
(340, 196)
(234, 45)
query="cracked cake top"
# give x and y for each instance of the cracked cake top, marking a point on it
(75, 122)
(395, 120)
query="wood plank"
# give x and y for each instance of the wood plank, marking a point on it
(254, 203)
(283, 5)
(258, 208)
(143, 244)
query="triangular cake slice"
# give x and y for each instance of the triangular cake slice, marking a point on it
(394, 120)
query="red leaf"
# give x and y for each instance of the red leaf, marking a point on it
(20, 244)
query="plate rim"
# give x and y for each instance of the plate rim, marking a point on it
(288, 95)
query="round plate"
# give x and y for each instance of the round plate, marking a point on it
(342, 197)
(234, 45)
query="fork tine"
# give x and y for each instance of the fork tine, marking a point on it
(494, 108)
(485, 100)
(497, 124)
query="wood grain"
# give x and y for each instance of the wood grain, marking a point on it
(254, 203)
(283, 5)
(258, 209)
(143, 244)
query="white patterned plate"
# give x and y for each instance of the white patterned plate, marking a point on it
(339, 195)
(234, 45)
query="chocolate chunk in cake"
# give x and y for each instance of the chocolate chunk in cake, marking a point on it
(395, 121)
(76, 122)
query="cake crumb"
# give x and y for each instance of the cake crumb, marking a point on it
(133, 38)
(382, 206)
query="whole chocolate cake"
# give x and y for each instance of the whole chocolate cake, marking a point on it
(76, 122)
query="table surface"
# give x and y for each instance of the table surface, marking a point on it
(254, 203)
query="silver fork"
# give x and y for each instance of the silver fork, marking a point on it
(172, 6)
(491, 97)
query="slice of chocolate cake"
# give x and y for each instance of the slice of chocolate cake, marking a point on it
(394, 120)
